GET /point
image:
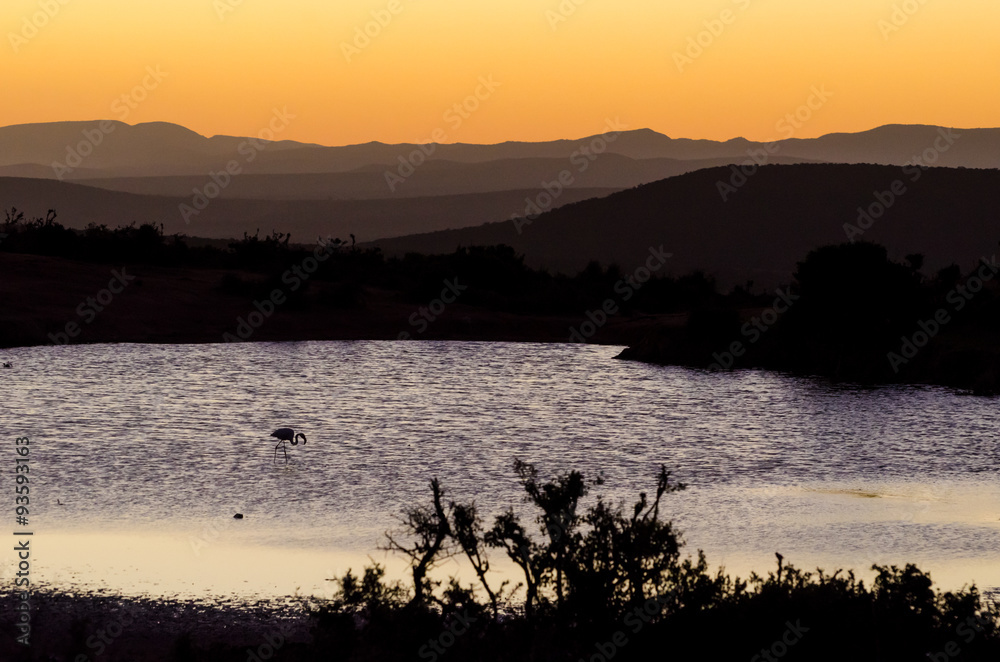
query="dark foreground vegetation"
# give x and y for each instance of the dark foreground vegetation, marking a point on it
(850, 313)
(496, 277)
(350, 293)
(604, 582)
(853, 314)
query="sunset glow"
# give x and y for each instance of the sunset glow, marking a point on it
(710, 69)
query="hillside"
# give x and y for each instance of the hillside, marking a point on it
(761, 230)
(434, 178)
(80, 205)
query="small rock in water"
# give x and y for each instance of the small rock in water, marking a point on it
(238, 516)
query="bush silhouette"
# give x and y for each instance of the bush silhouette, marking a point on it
(610, 582)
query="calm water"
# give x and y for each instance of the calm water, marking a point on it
(152, 448)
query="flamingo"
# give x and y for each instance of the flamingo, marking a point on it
(286, 434)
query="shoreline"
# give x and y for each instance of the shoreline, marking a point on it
(49, 301)
(55, 301)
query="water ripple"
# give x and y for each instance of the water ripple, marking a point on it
(175, 435)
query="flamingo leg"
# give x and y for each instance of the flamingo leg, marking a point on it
(280, 444)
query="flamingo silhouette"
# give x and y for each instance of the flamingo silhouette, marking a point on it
(286, 434)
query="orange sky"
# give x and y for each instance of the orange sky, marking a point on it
(561, 73)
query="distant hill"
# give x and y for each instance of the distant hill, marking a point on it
(611, 171)
(118, 149)
(311, 189)
(775, 218)
(163, 149)
(79, 205)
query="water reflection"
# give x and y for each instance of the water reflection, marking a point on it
(174, 439)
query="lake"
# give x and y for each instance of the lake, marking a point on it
(151, 449)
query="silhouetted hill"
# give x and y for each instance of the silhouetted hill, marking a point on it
(161, 149)
(611, 171)
(80, 205)
(776, 217)
(898, 144)
(39, 171)
(152, 148)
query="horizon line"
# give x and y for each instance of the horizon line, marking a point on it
(505, 142)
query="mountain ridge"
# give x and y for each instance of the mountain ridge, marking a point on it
(163, 148)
